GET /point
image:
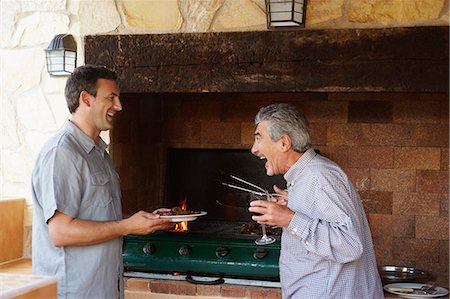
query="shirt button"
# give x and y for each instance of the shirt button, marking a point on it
(307, 243)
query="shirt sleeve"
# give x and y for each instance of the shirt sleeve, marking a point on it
(61, 183)
(329, 231)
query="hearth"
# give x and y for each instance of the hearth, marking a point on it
(222, 243)
(359, 88)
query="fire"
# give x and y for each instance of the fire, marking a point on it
(182, 226)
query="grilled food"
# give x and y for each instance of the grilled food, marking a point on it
(177, 211)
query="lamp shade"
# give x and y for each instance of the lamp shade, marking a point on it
(285, 13)
(61, 55)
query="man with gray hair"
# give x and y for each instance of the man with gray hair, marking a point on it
(326, 245)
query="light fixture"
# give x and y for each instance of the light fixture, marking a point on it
(285, 13)
(61, 55)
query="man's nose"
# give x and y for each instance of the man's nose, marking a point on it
(117, 104)
(253, 149)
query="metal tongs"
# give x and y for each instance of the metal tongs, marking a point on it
(260, 191)
(264, 239)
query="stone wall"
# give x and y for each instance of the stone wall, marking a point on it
(32, 102)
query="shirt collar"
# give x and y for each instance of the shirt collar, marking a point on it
(299, 165)
(85, 141)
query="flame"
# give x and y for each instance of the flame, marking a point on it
(182, 226)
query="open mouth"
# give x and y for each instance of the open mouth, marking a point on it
(110, 116)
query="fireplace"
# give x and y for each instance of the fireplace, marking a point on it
(222, 243)
(198, 175)
(376, 100)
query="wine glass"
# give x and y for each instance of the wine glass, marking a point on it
(265, 239)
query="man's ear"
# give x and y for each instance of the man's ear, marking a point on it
(85, 98)
(286, 142)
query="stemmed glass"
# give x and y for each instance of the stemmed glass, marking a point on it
(262, 193)
(265, 239)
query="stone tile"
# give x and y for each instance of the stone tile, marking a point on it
(116, 154)
(445, 109)
(325, 111)
(417, 158)
(372, 96)
(371, 156)
(208, 290)
(392, 134)
(233, 291)
(140, 295)
(137, 284)
(417, 111)
(432, 135)
(432, 181)
(443, 253)
(220, 133)
(157, 286)
(318, 133)
(129, 202)
(186, 107)
(411, 250)
(338, 154)
(383, 249)
(370, 112)
(121, 131)
(406, 203)
(377, 202)
(434, 228)
(444, 158)
(444, 205)
(392, 180)
(263, 293)
(359, 134)
(391, 225)
(172, 287)
(348, 134)
(360, 178)
(240, 108)
(183, 132)
(247, 133)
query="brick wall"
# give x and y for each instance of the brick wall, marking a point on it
(143, 288)
(394, 146)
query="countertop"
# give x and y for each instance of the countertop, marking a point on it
(16, 281)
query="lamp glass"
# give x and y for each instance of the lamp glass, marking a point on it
(285, 13)
(61, 56)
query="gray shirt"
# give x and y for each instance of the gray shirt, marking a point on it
(326, 251)
(76, 177)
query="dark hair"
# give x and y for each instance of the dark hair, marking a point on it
(85, 78)
(283, 119)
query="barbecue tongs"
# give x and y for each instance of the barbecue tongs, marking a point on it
(260, 191)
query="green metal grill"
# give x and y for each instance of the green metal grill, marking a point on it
(196, 254)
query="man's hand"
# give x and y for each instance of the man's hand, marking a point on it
(66, 230)
(143, 223)
(273, 214)
(282, 199)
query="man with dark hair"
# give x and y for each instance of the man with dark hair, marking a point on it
(326, 245)
(77, 224)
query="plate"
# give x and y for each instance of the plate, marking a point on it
(180, 218)
(439, 291)
(397, 274)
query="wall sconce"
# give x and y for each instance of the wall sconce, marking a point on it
(61, 55)
(285, 13)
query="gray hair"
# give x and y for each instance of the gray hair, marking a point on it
(286, 119)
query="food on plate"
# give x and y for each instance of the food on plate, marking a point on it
(175, 211)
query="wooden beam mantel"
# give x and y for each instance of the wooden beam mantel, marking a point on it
(407, 59)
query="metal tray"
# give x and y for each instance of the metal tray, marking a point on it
(396, 274)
